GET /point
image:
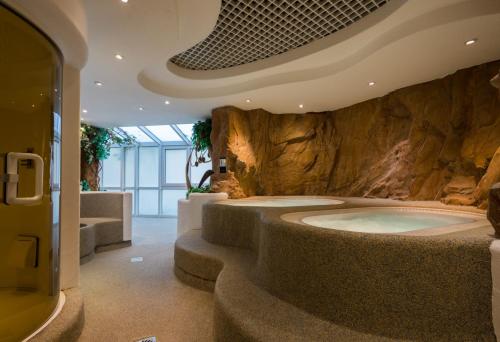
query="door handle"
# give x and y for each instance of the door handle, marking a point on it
(13, 178)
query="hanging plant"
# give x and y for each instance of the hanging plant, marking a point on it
(95, 146)
(201, 136)
(200, 153)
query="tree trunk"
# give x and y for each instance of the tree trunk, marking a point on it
(90, 173)
(188, 163)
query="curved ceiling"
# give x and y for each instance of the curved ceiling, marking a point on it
(402, 43)
(63, 21)
(248, 31)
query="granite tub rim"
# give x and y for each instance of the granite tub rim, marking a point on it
(271, 223)
(480, 220)
(272, 216)
(335, 201)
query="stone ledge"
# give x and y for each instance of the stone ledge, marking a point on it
(240, 304)
(194, 281)
(68, 325)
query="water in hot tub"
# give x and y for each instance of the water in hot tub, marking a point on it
(385, 221)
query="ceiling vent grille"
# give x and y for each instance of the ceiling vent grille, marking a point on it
(251, 30)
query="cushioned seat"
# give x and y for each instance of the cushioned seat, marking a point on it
(107, 230)
(105, 222)
(87, 242)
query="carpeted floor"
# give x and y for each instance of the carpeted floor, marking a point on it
(126, 301)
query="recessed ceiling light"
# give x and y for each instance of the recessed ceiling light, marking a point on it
(301, 105)
(141, 108)
(118, 56)
(248, 100)
(124, 1)
(98, 83)
(371, 84)
(84, 111)
(471, 41)
(167, 102)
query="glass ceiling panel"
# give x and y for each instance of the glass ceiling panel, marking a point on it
(164, 133)
(138, 134)
(117, 131)
(187, 129)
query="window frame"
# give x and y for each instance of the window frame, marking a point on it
(185, 144)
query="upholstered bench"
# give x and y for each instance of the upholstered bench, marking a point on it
(105, 222)
(87, 243)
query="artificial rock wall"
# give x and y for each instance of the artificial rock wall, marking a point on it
(438, 140)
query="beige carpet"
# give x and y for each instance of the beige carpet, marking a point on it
(126, 301)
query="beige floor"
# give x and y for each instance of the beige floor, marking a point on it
(126, 301)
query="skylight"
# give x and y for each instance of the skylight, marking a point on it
(164, 133)
(138, 134)
(187, 129)
(119, 132)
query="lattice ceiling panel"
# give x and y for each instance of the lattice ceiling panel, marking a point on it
(251, 30)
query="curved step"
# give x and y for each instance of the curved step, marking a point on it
(198, 262)
(243, 310)
(68, 325)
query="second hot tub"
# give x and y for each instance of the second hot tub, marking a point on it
(390, 220)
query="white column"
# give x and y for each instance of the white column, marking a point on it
(190, 211)
(70, 179)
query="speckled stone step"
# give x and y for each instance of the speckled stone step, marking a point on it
(198, 262)
(243, 310)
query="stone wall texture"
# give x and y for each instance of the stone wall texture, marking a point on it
(438, 140)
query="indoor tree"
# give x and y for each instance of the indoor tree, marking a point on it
(95, 146)
(200, 153)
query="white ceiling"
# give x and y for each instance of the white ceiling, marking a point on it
(403, 43)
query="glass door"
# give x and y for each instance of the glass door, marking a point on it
(30, 94)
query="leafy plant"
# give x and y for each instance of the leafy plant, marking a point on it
(203, 189)
(200, 153)
(201, 135)
(84, 185)
(95, 142)
(95, 146)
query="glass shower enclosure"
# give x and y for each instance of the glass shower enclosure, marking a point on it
(30, 121)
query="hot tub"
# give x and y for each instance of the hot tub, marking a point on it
(390, 220)
(282, 201)
(376, 278)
